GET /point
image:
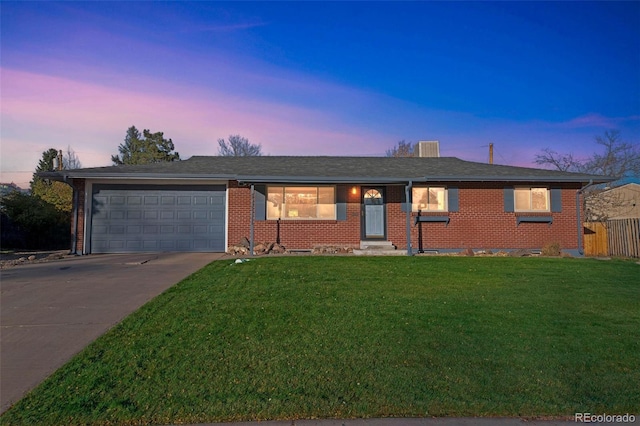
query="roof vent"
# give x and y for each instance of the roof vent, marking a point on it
(428, 149)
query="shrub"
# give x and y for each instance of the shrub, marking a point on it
(36, 223)
(551, 249)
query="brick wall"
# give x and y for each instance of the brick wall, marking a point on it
(79, 190)
(300, 234)
(480, 223)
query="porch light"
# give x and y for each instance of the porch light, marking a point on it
(354, 190)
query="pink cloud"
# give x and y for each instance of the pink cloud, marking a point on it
(225, 28)
(598, 120)
(298, 116)
(591, 120)
(42, 111)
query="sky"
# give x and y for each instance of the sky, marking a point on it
(317, 78)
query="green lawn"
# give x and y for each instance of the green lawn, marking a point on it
(307, 337)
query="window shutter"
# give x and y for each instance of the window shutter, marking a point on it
(260, 202)
(509, 200)
(556, 200)
(453, 199)
(341, 202)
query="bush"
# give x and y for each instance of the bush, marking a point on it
(11, 235)
(33, 223)
(551, 249)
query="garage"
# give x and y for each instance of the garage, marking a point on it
(152, 218)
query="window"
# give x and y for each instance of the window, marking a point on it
(531, 199)
(429, 199)
(301, 202)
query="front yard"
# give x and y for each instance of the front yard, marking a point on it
(308, 337)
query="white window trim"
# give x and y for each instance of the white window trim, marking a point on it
(529, 188)
(335, 203)
(446, 199)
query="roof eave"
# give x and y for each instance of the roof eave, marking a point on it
(60, 176)
(562, 179)
(322, 179)
(401, 180)
(64, 176)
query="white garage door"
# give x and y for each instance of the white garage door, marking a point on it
(148, 218)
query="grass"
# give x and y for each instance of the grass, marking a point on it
(323, 337)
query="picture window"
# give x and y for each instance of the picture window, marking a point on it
(301, 202)
(429, 199)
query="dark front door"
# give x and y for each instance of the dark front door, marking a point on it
(373, 213)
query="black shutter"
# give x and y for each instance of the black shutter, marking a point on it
(260, 202)
(453, 199)
(341, 202)
(509, 203)
(556, 200)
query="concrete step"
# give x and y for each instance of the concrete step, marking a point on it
(377, 245)
(378, 248)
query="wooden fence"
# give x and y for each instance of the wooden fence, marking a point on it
(624, 237)
(595, 239)
(617, 237)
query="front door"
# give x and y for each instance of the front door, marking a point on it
(373, 213)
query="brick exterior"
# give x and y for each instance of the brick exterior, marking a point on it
(480, 223)
(301, 234)
(79, 192)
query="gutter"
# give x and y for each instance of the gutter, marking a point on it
(186, 176)
(418, 179)
(555, 179)
(322, 179)
(407, 192)
(253, 215)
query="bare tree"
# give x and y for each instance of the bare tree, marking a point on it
(402, 149)
(618, 159)
(70, 159)
(562, 162)
(603, 203)
(238, 147)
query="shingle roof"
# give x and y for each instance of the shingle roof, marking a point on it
(328, 169)
(617, 183)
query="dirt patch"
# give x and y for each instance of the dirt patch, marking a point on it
(11, 259)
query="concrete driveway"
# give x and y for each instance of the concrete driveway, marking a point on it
(51, 311)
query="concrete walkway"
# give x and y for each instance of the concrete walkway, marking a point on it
(51, 311)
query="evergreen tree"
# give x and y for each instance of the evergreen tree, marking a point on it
(144, 149)
(58, 194)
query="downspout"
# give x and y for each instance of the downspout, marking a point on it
(579, 192)
(407, 192)
(253, 189)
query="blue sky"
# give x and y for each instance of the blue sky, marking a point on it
(317, 78)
